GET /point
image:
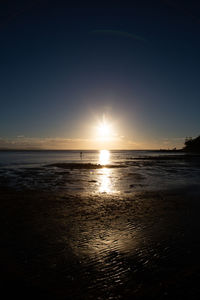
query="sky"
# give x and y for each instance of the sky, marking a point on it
(67, 68)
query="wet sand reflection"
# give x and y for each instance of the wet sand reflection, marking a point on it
(103, 239)
(120, 241)
(103, 246)
(105, 181)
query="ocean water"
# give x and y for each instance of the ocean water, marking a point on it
(121, 172)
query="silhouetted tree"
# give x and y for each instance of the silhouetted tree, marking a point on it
(192, 144)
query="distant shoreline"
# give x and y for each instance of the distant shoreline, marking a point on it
(89, 150)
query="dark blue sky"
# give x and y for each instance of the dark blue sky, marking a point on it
(65, 65)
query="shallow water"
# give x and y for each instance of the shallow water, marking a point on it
(128, 171)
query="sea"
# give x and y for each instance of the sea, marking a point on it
(103, 171)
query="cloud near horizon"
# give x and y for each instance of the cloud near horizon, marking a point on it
(120, 143)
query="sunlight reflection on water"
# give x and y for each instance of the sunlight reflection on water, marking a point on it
(105, 181)
(105, 185)
(104, 157)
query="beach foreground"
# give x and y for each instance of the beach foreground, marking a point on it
(61, 245)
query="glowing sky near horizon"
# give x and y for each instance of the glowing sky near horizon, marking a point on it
(65, 66)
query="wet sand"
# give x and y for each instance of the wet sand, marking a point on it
(60, 245)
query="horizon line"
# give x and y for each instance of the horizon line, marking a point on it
(32, 149)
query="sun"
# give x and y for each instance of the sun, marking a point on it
(104, 130)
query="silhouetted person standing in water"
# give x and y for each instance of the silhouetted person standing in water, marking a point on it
(81, 155)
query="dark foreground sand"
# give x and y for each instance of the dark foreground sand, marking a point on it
(62, 246)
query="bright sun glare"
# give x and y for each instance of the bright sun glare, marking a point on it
(104, 130)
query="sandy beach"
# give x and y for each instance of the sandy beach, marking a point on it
(61, 245)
